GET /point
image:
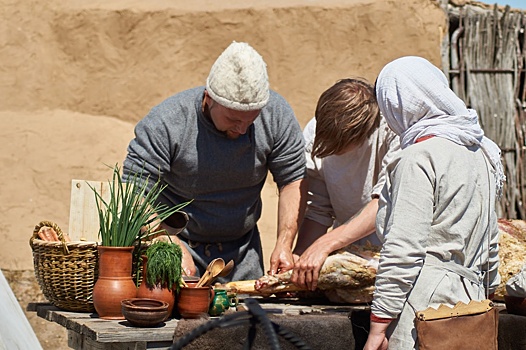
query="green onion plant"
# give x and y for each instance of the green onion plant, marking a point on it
(132, 212)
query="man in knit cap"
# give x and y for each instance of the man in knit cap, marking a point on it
(215, 145)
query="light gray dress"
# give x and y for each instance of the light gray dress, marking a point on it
(436, 214)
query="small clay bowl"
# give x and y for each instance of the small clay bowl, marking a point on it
(515, 305)
(144, 312)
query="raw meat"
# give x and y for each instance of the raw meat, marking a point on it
(348, 275)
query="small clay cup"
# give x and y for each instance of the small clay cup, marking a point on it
(193, 302)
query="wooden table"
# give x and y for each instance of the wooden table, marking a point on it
(88, 332)
(321, 326)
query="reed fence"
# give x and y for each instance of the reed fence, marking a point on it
(486, 64)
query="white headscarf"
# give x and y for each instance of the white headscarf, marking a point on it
(416, 101)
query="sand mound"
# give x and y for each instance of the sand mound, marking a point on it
(79, 75)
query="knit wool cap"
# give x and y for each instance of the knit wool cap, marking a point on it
(238, 79)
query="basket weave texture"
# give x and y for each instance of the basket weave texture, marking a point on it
(65, 271)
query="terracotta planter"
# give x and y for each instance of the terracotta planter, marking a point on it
(158, 292)
(193, 302)
(114, 283)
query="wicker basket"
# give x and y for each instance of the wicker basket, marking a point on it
(65, 271)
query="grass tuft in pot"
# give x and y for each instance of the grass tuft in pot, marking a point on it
(132, 212)
(164, 265)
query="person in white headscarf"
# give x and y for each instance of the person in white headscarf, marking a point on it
(436, 216)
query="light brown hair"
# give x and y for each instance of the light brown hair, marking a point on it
(347, 114)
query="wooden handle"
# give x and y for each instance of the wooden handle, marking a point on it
(242, 287)
(61, 237)
(203, 279)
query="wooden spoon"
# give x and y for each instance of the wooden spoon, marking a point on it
(205, 274)
(212, 270)
(227, 269)
(224, 272)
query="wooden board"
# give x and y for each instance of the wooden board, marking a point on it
(83, 215)
(88, 332)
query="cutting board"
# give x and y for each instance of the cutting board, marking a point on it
(83, 214)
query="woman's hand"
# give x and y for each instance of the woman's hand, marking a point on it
(376, 343)
(307, 267)
(377, 339)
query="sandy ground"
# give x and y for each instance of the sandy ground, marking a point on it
(76, 76)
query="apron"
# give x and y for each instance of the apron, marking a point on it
(246, 252)
(439, 282)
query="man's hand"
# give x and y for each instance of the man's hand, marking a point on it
(187, 264)
(281, 260)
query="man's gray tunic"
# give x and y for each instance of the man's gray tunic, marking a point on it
(224, 177)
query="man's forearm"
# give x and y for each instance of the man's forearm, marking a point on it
(359, 226)
(291, 208)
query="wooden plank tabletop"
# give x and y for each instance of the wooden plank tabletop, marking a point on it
(86, 331)
(104, 331)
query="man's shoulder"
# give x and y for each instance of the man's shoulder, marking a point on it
(278, 111)
(175, 110)
(276, 99)
(185, 95)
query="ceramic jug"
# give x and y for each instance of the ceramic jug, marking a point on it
(219, 304)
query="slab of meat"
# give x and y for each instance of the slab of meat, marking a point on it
(346, 277)
(512, 252)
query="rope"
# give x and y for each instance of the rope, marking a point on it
(255, 315)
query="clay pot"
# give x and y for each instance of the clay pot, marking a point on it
(193, 302)
(115, 282)
(158, 292)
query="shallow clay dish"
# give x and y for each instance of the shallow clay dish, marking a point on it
(515, 305)
(143, 312)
